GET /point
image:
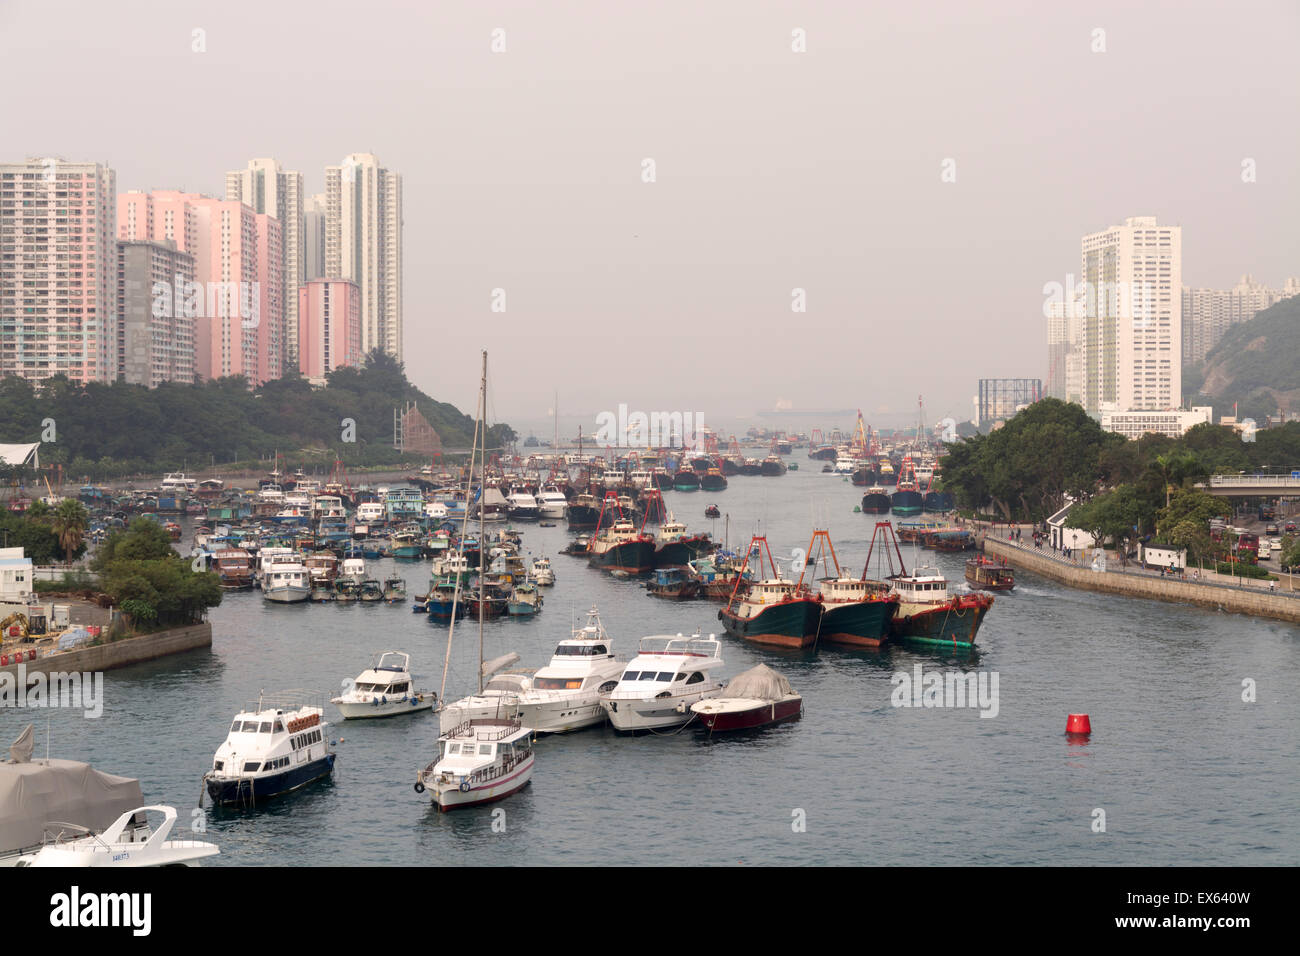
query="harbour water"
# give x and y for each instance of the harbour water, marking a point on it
(1185, 771)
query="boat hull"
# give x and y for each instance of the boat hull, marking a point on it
(876, 503)
(786, 624)
(952, 624)
(858, 624)
(245, 791)
(287, 595)
(907, 502)
(449, 796)
(763, 714)
(634, 557)
(561, 716)
(632, 715)
(356, 710)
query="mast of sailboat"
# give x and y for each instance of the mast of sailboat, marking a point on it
(482, 541)
(464, 530)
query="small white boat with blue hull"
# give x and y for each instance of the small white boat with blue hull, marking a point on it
(274, 747)
(384, 690)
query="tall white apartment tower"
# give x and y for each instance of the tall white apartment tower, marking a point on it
(272, 191)
(58, 270)
(363, 242)
(1132, 328)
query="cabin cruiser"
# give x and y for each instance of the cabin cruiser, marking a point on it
(479, 761)
(522, 506)
(122, 844)
(542, 572)
(370, 512)
(565, 694)
(178, 481)
(286, 583)
(274, 747)
(384, 689)
(667, 676)
(499, 698)
(551, 502)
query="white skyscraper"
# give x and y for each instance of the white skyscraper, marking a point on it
(363, 242)
(1132, 328)
(270, 190)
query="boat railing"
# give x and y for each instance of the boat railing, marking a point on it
(288, 700)
(687, 646)
(466, 728)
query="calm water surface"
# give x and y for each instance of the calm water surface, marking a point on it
(1185, 771)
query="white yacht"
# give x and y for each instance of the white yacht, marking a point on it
(551, 503)
(658, 687)
(542, 572)
(521, 506)
(384, 689)
(286, 583)
(370, 512)
(436, 511)
(479, 761)
(178, 481)
(565, 694)
(124, 843)
(276, 746)
(498, 699)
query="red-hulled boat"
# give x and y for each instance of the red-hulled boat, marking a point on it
(756, 698)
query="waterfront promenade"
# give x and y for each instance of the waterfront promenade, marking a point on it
(1239, 595)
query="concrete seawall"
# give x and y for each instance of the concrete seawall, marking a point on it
(128, 650)
(1259, 603)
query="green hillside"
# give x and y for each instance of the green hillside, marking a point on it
(1256, 365)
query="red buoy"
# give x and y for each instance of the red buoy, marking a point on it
(1078, 724)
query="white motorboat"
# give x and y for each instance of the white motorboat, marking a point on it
(551, 502)
(286, 584)
(124, 843)
(542, 572)
(660, 684)
(370, 512)
(565, 695)
(499, 698)
(384, 689)
(276, 746)
(178, 481)
(521, 506)
(479, 761)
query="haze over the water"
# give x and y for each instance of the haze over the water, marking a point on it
(774, 170)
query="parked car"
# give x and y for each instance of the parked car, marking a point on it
(1271, 529)
(1290, 527)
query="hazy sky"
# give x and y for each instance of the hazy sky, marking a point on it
(775, 170)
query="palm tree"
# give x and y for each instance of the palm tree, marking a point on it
(69, 523)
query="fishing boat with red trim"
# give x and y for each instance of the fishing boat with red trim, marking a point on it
(770, 610)
(927, 612)
(618, 545)
(855, 612)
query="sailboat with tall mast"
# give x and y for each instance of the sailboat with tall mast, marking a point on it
(484, 752)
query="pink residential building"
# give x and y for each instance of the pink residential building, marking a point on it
(58, 270)
(238, 301)
(329, 326)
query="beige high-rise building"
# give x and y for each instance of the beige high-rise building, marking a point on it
(363, 242)
(1132, 327)
(276, 192)
(58, 270)
(1208, 313)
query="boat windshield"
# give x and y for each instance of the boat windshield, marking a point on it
(580, 650)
